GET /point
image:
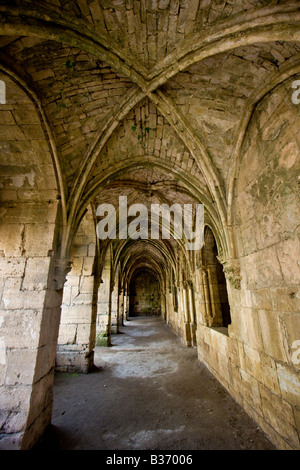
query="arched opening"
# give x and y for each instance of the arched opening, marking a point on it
(144, 294)
(30, 304)
(217, 296)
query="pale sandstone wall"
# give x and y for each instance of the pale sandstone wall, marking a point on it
(29, 305)
(145, 295)
(255, 362)
(81, 92)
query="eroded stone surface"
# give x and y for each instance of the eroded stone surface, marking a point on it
(162, 102)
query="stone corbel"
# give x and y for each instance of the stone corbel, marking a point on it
(204, 271)
(187, 284)
(231, 269)
(62, 268)
(112, 285)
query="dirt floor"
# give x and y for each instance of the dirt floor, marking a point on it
(148, 391)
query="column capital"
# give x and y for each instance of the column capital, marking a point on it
(232, 271)
(61, 269)
(188, 284)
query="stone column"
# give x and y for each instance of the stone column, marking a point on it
(121, 299)
(29, 319)
(214, 297)
(207, 299)
(201, 308)
(75, 349)
(114, 323)
(103, 331)
(193, 323)
(169, 303)
(187, 329)
(127, 304)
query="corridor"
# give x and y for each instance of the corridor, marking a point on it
(148, 391)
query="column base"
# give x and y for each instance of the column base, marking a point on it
(103, 339)
(187, 334)
(74, 361)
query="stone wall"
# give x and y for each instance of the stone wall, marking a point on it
(145, 295)
(255, 362)
(30, 306)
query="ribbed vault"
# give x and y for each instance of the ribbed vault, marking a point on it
(161, 102)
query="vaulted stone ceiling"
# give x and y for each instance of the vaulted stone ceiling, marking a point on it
(163, 87)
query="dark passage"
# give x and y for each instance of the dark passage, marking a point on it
(144, 294)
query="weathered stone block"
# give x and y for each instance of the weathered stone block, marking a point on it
(67, 333)
(82, 299)
(79, 251)
(87, 284)
(250, 329)
(280, 415)
(21, 366)
(91, 249)
(289, 381)
(272, 336)
(88, 264)
(83, 334)
(76, 314)
(286, 299)
(11, 240)
(102, 339)
(249, 389)
(38, 239)
(21, 327)
(36, 273)
(16, 422)
(262, 298)
(12, 267)
(288, 254)
(250, 361)
(66, 300)
(50, 325)
(77, 263)
(263, 269)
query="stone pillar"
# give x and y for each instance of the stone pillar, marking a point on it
(124, 306)
(75, 349)
(200, 308)
(30, 314)
(214, 297)
(193, 323)
(127, 304)
(121, 299)
(207, 299)
(103, 331)
(114, 324)
(169, 303)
